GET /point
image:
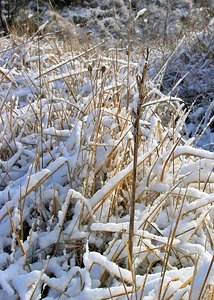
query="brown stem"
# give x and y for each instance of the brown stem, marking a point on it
(136, 123)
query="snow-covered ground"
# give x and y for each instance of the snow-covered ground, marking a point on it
(66, 170)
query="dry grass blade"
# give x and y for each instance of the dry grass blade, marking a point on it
(169, 247)
(168, 158)
(14, 230)
(70, 60)
(206, 277)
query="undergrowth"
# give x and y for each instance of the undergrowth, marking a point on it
(66, 180)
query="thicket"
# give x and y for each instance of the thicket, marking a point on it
(10, 9)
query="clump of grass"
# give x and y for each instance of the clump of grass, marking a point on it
(68, 179)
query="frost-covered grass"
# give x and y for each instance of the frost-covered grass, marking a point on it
(66, 171)
(195, 87)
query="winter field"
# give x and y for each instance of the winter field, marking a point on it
(106, 167)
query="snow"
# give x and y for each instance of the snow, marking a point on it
(26, 281)
(204, 264)
(56, 132)
(66, 167)
(7, 165)
(187, 150)
(140, 14)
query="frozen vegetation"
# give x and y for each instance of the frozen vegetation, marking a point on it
(67, 132)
